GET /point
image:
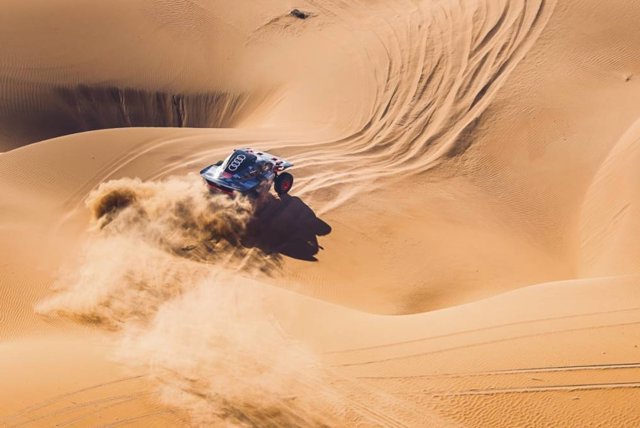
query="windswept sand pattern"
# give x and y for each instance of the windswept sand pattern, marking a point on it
(554, 389)
(437, 66)
(88, 406)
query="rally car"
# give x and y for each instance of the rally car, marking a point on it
(249, 172)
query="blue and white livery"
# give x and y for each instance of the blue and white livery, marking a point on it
(249, 172)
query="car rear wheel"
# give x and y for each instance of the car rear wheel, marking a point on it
(283, 183)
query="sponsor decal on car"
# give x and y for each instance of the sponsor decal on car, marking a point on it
(236, 162)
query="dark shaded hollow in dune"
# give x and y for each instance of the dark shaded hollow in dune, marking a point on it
(48, 112)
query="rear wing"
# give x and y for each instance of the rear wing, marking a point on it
(280, 163)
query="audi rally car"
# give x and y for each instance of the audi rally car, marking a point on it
(250, 173)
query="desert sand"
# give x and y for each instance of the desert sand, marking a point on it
(460, 247)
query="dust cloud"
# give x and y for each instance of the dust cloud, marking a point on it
(160, 268)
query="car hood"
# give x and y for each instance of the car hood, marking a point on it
(217, 175)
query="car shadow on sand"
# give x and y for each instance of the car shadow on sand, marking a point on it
(286, 226)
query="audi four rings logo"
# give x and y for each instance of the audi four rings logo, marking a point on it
(236, 162)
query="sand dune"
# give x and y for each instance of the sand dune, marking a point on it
(459, 249)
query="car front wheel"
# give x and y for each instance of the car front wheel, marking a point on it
(283, 183)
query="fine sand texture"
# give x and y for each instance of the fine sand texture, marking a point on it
(461, 245)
